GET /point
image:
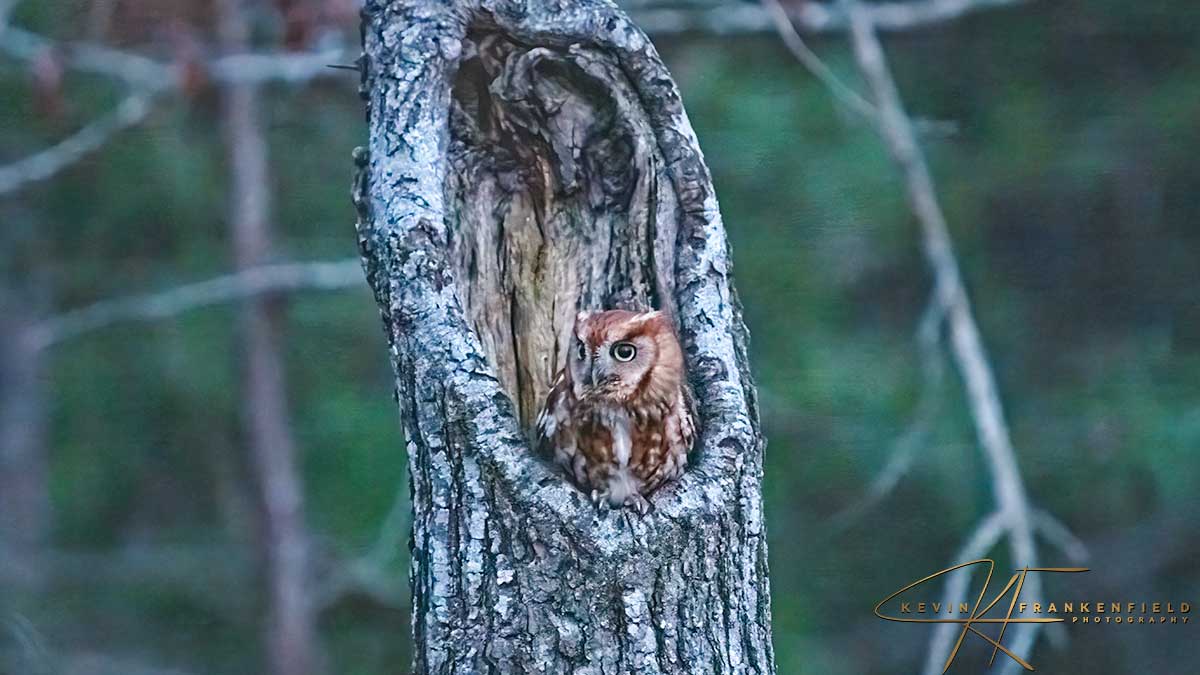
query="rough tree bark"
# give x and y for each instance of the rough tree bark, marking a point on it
(290, 626)
(525, 160)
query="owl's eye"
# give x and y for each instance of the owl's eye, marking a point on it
(580, 351)
(624, 351)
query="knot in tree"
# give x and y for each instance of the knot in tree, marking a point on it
(528, 160)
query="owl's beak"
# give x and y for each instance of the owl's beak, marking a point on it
(591, 376)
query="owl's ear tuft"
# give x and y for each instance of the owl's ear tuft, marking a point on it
(583, 315)
(647, 319)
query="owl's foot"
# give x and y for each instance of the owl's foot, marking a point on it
(600, 499)
(603, 499)
(638, 503)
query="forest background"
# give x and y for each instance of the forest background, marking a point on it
(1063, 139)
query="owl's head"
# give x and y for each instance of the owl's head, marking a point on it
(619, 355)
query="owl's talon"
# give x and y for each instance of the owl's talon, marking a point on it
(602, 423)
(600, 499)
(639, 504)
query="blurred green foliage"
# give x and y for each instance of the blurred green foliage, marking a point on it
(1072, 185)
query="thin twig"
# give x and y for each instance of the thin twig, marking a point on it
(895, 16)
(147, 78)
(373, 573)
(49, 162)
(928, 338)
(32, 655)
(843, 92)
(781, 21)
(720, 17)
(147, 74)
(1060, 536)
(98, 663)
(265, 279)
(985, 536)
(281, 67)
(138, 72)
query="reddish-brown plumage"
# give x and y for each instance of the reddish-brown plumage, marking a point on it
(618, 417)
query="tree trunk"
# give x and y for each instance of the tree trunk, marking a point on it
(527, 160)
(290, 628)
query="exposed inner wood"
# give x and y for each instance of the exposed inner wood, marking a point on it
(561, 204)
(542, 182)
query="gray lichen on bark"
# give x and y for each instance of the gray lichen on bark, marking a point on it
(526, 160)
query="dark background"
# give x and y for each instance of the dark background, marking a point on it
(1071, 181)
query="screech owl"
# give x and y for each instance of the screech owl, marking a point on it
(618, 416)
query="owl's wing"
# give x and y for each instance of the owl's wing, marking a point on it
(554, 413)
(690, 428)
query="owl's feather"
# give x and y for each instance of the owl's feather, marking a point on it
(620, 430)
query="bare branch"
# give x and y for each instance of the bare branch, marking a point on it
(367, 575)
(717, 18)
(809, 59)
(148, 74)
(986, 534)
(97, 663)
(905, 447)
(29, 652)
(49, 162)
(285, 548)
(139, 72)
(283, 67)
(190, 570)
(1060, 536)
(265, 279)
(782, 21)
(373, 574)
(966, 344)
(728, 18)
(26, 513)
(146, 77)
(896, 16)
(392, 532)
